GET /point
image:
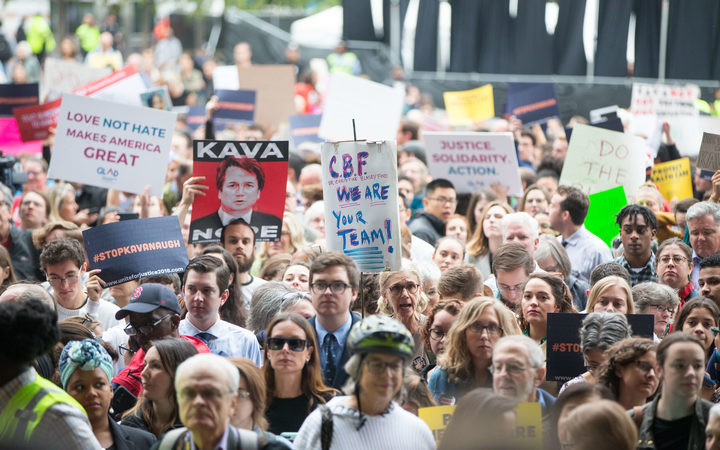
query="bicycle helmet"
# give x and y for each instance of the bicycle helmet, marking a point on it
(381, 334)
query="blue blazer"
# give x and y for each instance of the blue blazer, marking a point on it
(340, 375)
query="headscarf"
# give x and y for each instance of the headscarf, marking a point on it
(87, 355)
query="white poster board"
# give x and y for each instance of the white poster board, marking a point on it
(687, 132)
(64, 76)
(111, 145)
(599, 159)
(361, 208)
(663, 100)
(123, 86)
(473, 161)
(376, 108)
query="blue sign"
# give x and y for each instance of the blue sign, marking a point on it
(235, 106)
(16, 96)
(304, 128)
(533, 103)
(133, 249)
(195, 117)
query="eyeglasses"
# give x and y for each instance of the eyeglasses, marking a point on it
(189, 394)
(437, 334)
(510, 368)
(243, 393)
(675, 259)
(443, 200)
(377, 367)
(492, 329)
(336, 287)
(661, 308)
(132, 330)
(515, 288)
(58, 281)
(294, 344)
(397, 289)
(644, 366)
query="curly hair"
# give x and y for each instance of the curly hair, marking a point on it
(450, 306)
(621, 354)
(31, 323)
(560, 292)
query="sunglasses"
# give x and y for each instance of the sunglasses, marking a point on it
(294, 344)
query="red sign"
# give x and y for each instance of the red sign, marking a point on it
(34, 121)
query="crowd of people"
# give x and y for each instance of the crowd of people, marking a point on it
(269, 345)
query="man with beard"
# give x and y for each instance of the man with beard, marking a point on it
(238, 238)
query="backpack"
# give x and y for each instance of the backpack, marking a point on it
(237, 439)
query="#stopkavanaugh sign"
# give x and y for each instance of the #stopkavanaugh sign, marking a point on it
(110, 145)
(361, 208)
(304, 128)
(564, 354)
(235, 106)
(133, 249)
(474, 161)
(533, 103)
(246, 180)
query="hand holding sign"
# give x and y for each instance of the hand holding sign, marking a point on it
(94, 285)
(192, 187)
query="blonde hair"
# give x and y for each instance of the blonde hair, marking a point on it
(297, 236)
(602, 285)
(384, 307)
(56, 196)
(457, 360)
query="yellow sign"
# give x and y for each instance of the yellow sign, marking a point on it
(468, 107)
(673, 178)
(437, 418)
(528, 426)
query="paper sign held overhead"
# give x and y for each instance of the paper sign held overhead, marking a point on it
(274, 87)
(604, 206)
(709, 156)
(123, 86)
(663, 100)
(468, 107)
(157, 98)
(17, 96)
(533, 103)
(473, 161)
(305, 128)
(673, 178)
(235, 106)
(11, 142)
(65, 76)
(110, 145)
(34, 122)
(360, 192)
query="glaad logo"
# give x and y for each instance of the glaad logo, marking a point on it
(108, 174)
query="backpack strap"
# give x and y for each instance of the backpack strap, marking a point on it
(326, 427)
(246, 439)
(170, 439)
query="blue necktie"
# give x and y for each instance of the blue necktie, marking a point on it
(329, 343)
(206, 337)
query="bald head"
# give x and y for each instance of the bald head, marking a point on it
(22, 292)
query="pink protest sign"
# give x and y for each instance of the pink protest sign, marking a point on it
(34, 121)
(10, 141)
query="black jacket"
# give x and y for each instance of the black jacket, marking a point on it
(129, 438)
(427, 227)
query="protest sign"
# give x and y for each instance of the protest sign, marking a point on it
(604, 113)
(361, 208)
(687, 132)
(528, 425)
(195, 117)
(429, 123)
(235, 106)
(709, 156)
(245, 180)
(274, 87)
(110, 145)
(468, 107)
(226, 77)
(673, 178)
(599, 159)
(123, 86)
(34, 121)
(376, 108)
(474, 161)
(604, 206)
(305, 128)
(65, 76)
(10, 141)
(133, 249)
(157, 98)
(564, 355)
(437, 419)
(663, 100)
(17, 96)
(533, 103)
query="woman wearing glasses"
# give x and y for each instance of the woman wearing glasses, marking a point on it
(630, 371)
(435, 331)
(659, 300)
(543, 294)
(292, 372)
(674, 266)
(468, 349)
(156, 410)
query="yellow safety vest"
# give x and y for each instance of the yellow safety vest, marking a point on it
(26, 408)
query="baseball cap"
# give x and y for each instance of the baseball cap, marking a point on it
(149, 297)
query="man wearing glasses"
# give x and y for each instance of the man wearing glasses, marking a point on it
(63, 261)
(334, 284)
(439, 203)
(512, 265)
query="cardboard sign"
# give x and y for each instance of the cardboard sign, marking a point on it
(16, 96)
(564, 355)
(157, 98)
(245, 180)
(275, 92)
(437, 419)
(235, 106)
(528, 425)
(469, 107)
(663, 100)
(305, 128)
(376, 108)
(673, 178)
(123, 86)
(34, 121)
(111, 145)
(133, 249)
(473, 161)
(599, 159)
(66, 76)
(10, 141)
(533, 103)
(709, 156)
(604, 206)
(360, 192)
